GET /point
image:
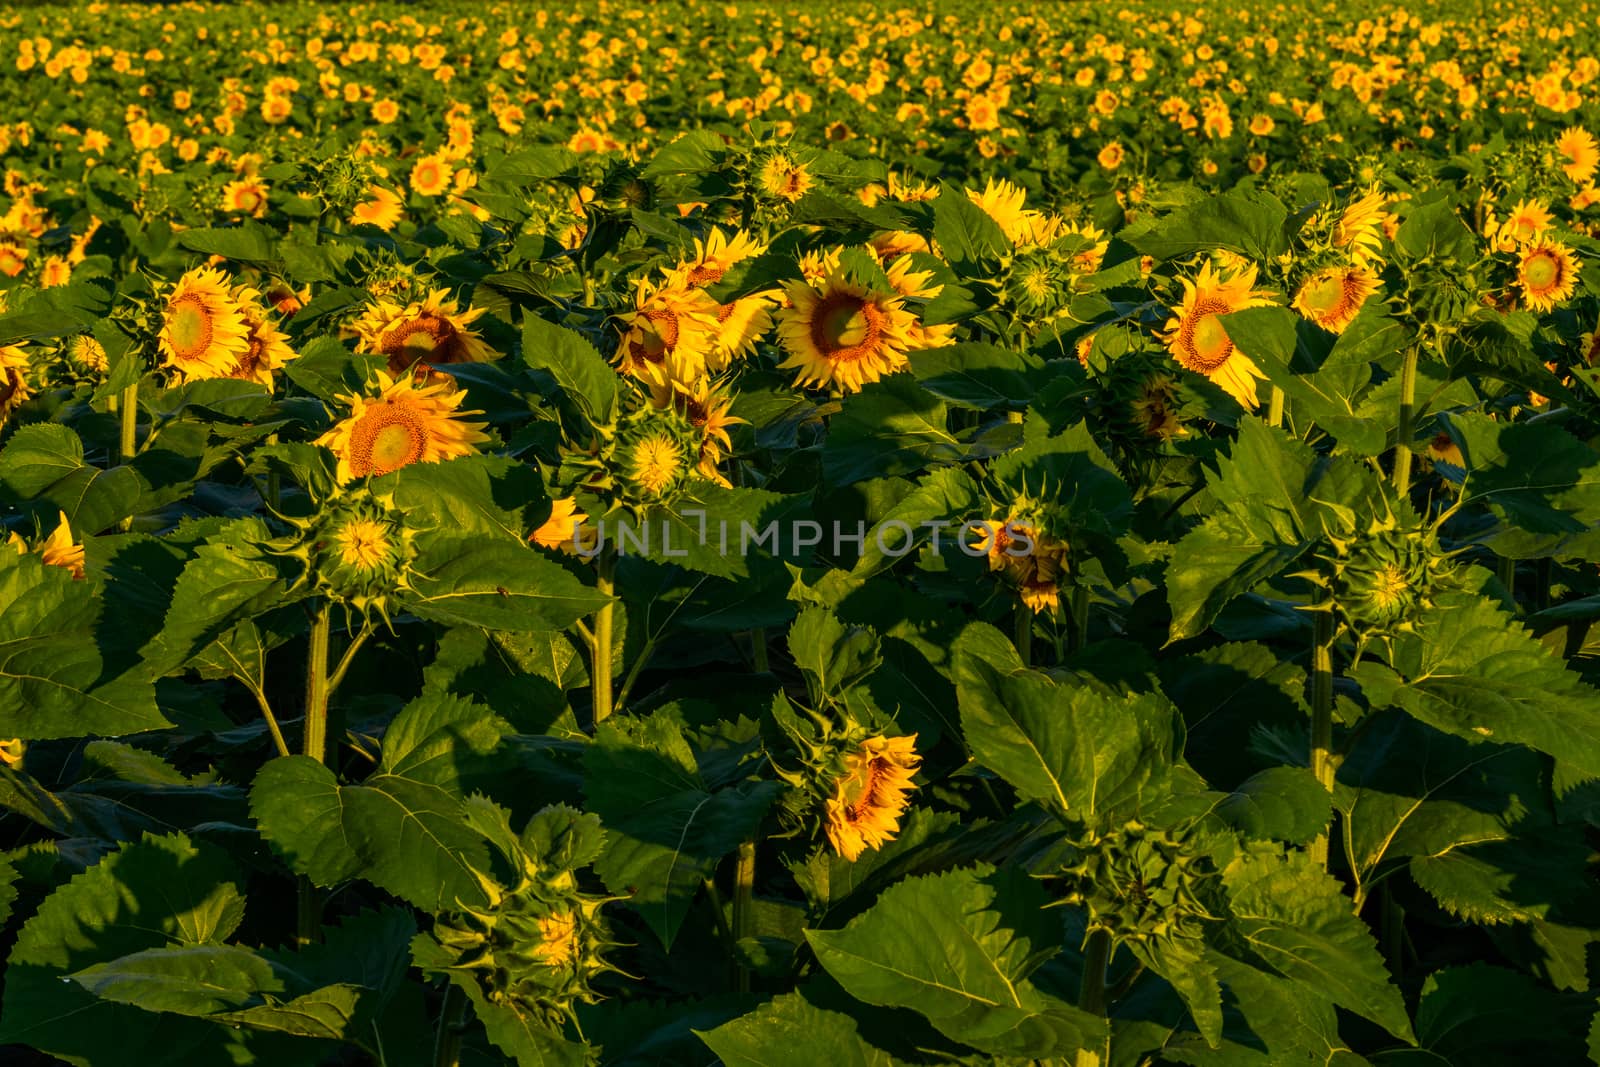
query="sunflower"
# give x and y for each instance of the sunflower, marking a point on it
(564, 528)
(869, 795)
(890, 245)
(739, 326)
(1577, 146)
(784, 178)
(431, 175)
(57, 550)
(1092, 253)
(266, 347)
(13, 385)
(1442, 448)
(434, 331)
(246, 196)
(382, 209)
(405, 423)
(1527, 220)
(203, 332)
(1332, 297)
(706, 405)
(669, 336)
(1197, 340)
(1546, 274)
(839, 332)
(1037, 572)
(12, 750)
(1002, 202)
(1360, 228)
(655, 463)
(364, 544)
(1589, 346)
(713, 258)
(918, 285)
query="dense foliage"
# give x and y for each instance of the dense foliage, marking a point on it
(746, 533)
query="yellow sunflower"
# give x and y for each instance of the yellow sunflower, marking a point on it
(707, 407)
(1527, 220)
(1198, 342)
(1546, 274)
(1589, 346)
(713, 258)
(57, 550)
(434, 331)
(203, 332)
(1577, 146)
(870, 794)
(12, 750)
(1002, 201)
(671, 334)
(838, 332)
(1094, 246)
(566, 524)
(740, 325)
(655, 463)
(382, 209)
(364, 544)
(266, 347)
(246, 196)
(431, 175)
(1332, 297)
(784, 178)
(1360, 229)
(405, 423)
(918, 285)
(13, 385)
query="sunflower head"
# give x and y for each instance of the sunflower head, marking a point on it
(671, 334)
(407, 422)
(657, 451)
(1384, 574)
(868, 793)
(782, 177)
(1332, 297)
(537, 945)
(1138, 883)
(203, 332)
(59, 549)
(1197, 339)
(1547, 273)
(842, 332)
(13, 379)
(433, 331)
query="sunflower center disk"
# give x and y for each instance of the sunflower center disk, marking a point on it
(1209, 344)
(1541, 271)
(189, 327)
(845, 327)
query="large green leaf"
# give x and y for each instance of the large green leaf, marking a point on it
(790, 1031)
(959, 947)
(666, 829)
(1489, 1016)
(583, 375)
(1087, 752)
(893, 426)
(55, 681)
(1474, 671)
(1293, 915)
(465, 581)
(408, 837)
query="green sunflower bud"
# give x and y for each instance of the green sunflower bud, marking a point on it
(1384, 578)
(1138, 883)
(359, 551)
(656, 454)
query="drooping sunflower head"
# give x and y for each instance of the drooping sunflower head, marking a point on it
(840, 333)
(566, 530)
(869, 793)
(1332, 297)
(203, 332)
(1197, 339)
(13, 379)
(382, 208)
(1359, 230)
(713, 257)
(433, 331)
(1528, 219)
(1547, 273)
(405, 423)
(670, 335)
(1002, 201)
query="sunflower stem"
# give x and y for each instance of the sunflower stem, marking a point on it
(128, 409)
(1506, 571)
(1022, 632)
(1275, 407)
(308, 911)
(1080, 617)
(600, 669)
(1322, 716)
(758, 650)
(744, 887)
(1096, 958)
(447, 1038)
(1408, 414)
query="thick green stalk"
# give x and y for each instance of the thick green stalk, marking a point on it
(128, 409)
(308, 912)
(1408, 415)
(600, 667)
(1022, 632)
(1506, 571)
(1080, 617)
(447, 1039)
(1096, 958)
(744, 888)
(758, 651)
(1275, 407)
(1322, 715)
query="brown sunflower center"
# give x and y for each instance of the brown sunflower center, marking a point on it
(706, 274)
(388, 436)
(1323, 295)
(858, 792)
(426, 337)
(655, 337)
(189, 327)
(1203, 337)
(846, 327)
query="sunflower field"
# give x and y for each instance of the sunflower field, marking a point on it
(783, 535)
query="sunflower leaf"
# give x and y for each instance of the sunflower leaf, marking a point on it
(583, 375)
